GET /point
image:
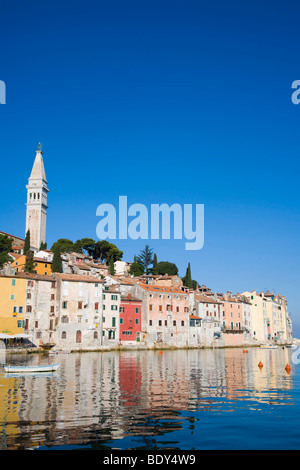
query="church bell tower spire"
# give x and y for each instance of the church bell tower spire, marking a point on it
(36, 211)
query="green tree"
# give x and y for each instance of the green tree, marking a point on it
(136, 268)
(111, 266)
(43, 246)
(146, 258)
(154, 267)
(29, 263)
(164, 267)
(187, 280)
(5, 248)
(87, 246)
(27, 242)
(65, 245)
(104, 251)
(56, 262)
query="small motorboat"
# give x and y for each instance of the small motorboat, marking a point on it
(269, 346)
(31, 369)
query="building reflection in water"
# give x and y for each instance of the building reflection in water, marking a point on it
(95, 398)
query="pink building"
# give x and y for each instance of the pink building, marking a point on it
(232, 314)
(165, 314)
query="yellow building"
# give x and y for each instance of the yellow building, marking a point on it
(12, 304)
(41, 266)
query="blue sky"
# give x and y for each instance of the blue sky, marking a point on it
(175, 102)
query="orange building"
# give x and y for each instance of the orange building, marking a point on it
(41, 266)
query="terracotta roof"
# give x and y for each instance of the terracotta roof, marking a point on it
(10, 235)
(194, 317)
(77, 278)
(156, 288)
(33, 276)
(15, 255)
(42, 260)
(208, 300)
(129, 299)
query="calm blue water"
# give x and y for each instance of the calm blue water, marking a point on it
(187, 400)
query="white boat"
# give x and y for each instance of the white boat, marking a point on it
(31, 369)
(269, 346)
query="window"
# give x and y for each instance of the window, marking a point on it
(28, 308)
(150, 307)
(114, 307)
(177, 309)
(13, 282)
(111, 334)
(96, 305)
(20, 323)
(79, 305)
(79, 318)
(174, 322)
(36, 324)
(121, 309)
(114, 297)
(63, 335)
(12, 297)
(52, 309)
(159, 323)
(64, 304)
(150, 322)
(52, 284)
(160, 308)
(52, 296)
(113, 321)
(136, 309)
(166, 322)
(78, 336)
(46, 265)
(136, 321)
(14, 309)
(121, 321)
(95, 334)
(182, 323)
(20, 309)
(64, 319)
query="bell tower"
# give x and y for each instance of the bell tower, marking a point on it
(36, 211)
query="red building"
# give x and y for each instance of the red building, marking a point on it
(130, 319)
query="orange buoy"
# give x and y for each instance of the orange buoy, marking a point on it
(160, 352)
(247, 351)
(288, 368)
(260, 365)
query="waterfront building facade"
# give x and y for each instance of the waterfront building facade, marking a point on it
(12, 305)
(111, 316)
(130, 320)
(165, 315)
(78, 311)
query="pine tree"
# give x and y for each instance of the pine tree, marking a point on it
(111, 266)
(188, 277)
(146, 258)
(27, 242)
(154, 268)
(56, 262)
(29, 263)
(43, 246)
